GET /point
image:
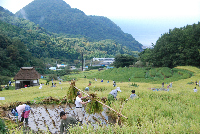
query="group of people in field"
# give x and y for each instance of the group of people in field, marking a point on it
(70, 121)
(170, 86)
(22, 111)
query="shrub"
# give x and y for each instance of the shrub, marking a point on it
(68, 78)
(3, 128)
(7, 87)
(52, 76)
(167, 72)
(135, 85)
(98, 89)
(153, 72)
(139, 64)
(4, 80)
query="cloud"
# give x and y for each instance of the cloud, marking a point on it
(23, 13)
(41, 20)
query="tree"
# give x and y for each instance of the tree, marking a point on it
(179, 47)
(123, 60)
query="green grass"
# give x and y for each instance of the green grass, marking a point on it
(154, 75)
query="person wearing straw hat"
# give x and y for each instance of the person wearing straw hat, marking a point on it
(79, 104)
(113, 94)
(66, 122)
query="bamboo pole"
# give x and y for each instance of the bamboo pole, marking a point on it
(82, 91)
(111, 109)
(62, 100)
(104, 104)
(120, 112)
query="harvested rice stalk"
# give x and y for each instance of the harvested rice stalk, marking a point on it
(94, 106)
(72, 92)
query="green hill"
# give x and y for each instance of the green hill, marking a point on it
(58, 17)
(46, 48)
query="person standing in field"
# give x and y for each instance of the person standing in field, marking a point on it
(9, 83)
(66, 122)
(195, 90)
(52, 82)
(79, 104)
(171, 84)
(133, 95)
(168, 87)
(163, 84)
(114, 84)
(129, 79)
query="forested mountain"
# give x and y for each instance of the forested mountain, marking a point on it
(58, 17)
(41, 47)
(179, 47)
(14, 54)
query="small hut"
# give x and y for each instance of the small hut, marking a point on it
(26, 76)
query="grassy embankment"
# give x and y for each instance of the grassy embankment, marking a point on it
(176, 111)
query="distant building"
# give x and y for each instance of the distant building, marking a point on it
(108, 67)
(104, 61)
(72, 67)
(61, 65)
(52, 68)
(26, 76)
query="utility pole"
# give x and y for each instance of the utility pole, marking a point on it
(82, 61)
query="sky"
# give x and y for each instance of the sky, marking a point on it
(145, 20)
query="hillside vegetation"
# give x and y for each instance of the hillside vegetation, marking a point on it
(58, 17)
(178, 47)
(42, 48)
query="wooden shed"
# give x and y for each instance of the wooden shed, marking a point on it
(26, 76)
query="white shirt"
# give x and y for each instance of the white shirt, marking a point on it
(77, 102)
(195, 90)
(20, 109)
(114, 93)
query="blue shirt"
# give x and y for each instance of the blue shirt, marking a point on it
(27, 108)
